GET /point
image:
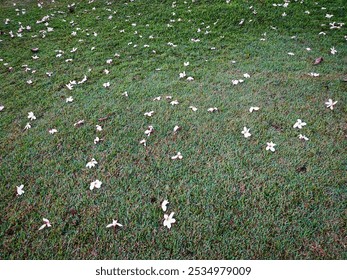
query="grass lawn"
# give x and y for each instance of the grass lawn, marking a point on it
(232, 198)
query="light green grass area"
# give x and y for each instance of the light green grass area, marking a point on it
(232, 198)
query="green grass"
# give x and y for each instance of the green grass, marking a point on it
(232, 199)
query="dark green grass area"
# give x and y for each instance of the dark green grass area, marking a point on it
(232, 199)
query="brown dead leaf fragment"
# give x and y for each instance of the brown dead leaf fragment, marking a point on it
(318, 60)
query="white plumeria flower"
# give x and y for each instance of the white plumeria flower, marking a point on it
(106, 85)
(175, 102)
(164, 205)
(20, 190)
(212, 109)
(246, 75)
(29, 82)
(253, 109)
(125, 93)
(149, 131)
(313, 74)
(186, 63)
(193, 108)
(96, 184)
(168, 220)
(49, 74)
(46, 224)
(176, 128)
(157, 98)
(1, 107)
(96, 140)
(92, 163)
(168, 97)
(98, 127)
(143, 142)
(303, 137)
(106, 71)
(149, 114)
(69, 99)
(52, 131)
(245, 132)
(333, 50)
(114, 224)
(27, 126)
(190, 79)
(290, 53)
(109, 61)
(31, 116)
(299, 124)
(182, 75)
(270, 146)
(178, 156)
(330, 104)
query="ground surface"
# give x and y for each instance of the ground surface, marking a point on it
(232, 198)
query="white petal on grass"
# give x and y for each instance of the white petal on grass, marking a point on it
(270, 146)
(176, 128)
(52, 131)
(164, 205)
(143, 142)
(253, 109)
(46, 224)
(177, 156)
(20, 190)
(330, 104)
(299, 124)
(92, 163)
(27, 126)
(149, 130)
(69, 99)
(168, 220)
(114, 224)
(96, 184)
(31, 116)
(193, 108)
(149, 114)
(212, 109)
(246, 132)
(98, 127)
(96, 140)
(303, 137)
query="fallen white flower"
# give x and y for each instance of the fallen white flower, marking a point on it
(52, 131)
(164, 205)
(92, 163)
(178, 156)
(114, 224)
(303, 137)
(270, 146)
(20, 190)
(245, 132)
(96, 184)
(168, 220)
(46, 224)
(299, 124)
(253, 109)
(149, 114)
(330, 104)
(31, 116)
